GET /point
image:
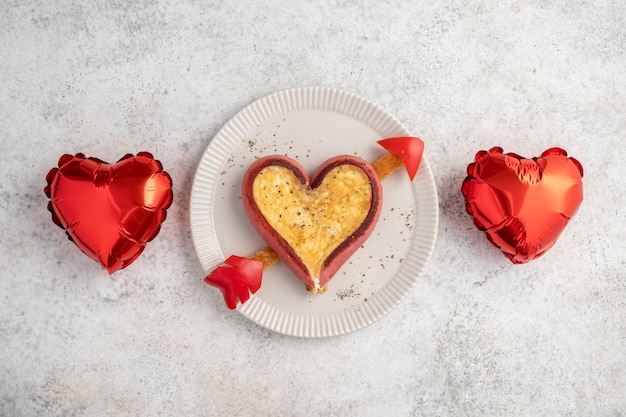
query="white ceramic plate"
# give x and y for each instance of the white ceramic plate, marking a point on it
(312, 125)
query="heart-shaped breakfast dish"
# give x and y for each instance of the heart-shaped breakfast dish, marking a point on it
(314, 224)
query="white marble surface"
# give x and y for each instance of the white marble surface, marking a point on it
(477, 336)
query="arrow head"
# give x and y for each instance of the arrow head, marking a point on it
(408, 148)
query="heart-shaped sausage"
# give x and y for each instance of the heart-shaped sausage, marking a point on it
(523, 205)
(313, 225)
(109, 211)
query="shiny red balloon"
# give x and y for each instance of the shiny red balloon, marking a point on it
(521, 204)
(110, 211)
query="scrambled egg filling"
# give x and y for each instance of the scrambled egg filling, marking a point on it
(313, 222)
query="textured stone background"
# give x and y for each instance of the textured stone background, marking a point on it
(477, 336)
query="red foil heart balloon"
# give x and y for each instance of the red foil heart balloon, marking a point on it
(521, 204)
(110, 211)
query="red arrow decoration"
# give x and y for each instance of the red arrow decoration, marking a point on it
(238, 280)
(243, 276)
(408, 148)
